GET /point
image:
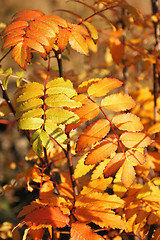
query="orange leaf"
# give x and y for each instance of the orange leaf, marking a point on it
(44, 28)
(79, 29)
(81, 231)
(63, 38)
(36, 234)
(138, 140)
(103, 218)
(114, 165)
(34, 45)
(92, 134)
(128, 122)
(118, 102)
(21, 54)
(102, 151)
(27, 15)
(47, 215)
(154, 129)
(46, 191)
(83, 87)
(78, 43)
(128, 174)
(37, 36)
(11, 42)
(91, 29)
(15, 26)
(49, 21)
(136, 157)
(116, 49)
(86, 113)
(103, 86)
(92, 46)
(80, 98)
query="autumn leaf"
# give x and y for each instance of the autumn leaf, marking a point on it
(63, 38)
(102, 151)
(114, 165)
(118, 102)
(78, 43)
(128, 174)
(117, 49)
(138, 140)
(46, 191)
(92, 134)
(81, 231)
(103, 86)
(128, 122)
(154, 129)
(47, 215)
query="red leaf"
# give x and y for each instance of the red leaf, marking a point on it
(47, 215)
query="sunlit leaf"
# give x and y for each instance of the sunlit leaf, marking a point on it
(118, 102)
(28, 105)
(30, 123)
(128, 122)
(20, 54)
(116, 49)
(63, 38)
(4, 109)
(91, 44)
(93, 133)
(44, 138)
(114, 164)
(128, 174)
(81, 231)
(34, 45)
(91, 29)
(102, 151)
(61, 116)
(154, 129)
(138, 140)
(46, 190)
(103, 86)
(83, 87)
(61, 100)
(27, 15)
(16, 25)
(78, 43)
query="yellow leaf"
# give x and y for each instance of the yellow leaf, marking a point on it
(92, 46)
(83, 87)
(136, 157)
(92, 134)
(78, 43)
(128, 174)
(118, 102)
(136, 140)
(102, 151)
(82, 169)
(103, 86)
(128, 122)
(46, 191)
(91, 29)
(98, 172)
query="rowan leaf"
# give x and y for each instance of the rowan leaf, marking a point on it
(103, 86)
(128, 122)
(61, 100)
(37, 112)
(28, 105)
(82, 169)
(135, 156)
(63, 38)
(37, 146)
(91, 29)
(118, 102)
(128, 174)
(34, 45)
(92, 134)
(136, 140)
(54, 131)
(29, 92)
(37, 36)
(98, 172)
(12, 41)
(44, 138)
(80, 29)
(43, 28)
(91, 44)
(78, 43)
(47, 215)
(102, 151)
(15, 26)
(27, 15)
(85, 113)
(83, 87)
(61, 116)
(46, 190)
(114, 165)
(30, 123)
(81, 231)
(21, 54)
(117, 49)
(103, 218)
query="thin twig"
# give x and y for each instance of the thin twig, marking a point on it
(68, 152)
(156, 75)
(6, 54)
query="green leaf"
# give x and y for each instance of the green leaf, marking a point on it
(57, 90)
(61, 116)
(35, 135)
(38, 112)
(30, 104)
(5, 82)
(55, 132)
(44, 138)
(29, 87)
(61, 100)
(29, 94)
(9, 71)
(37, 146)
(20, 74)
(30, 123)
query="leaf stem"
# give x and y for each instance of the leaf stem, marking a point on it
(58, 56)
(110, 125)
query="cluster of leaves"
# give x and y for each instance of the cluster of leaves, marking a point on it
(112, 150)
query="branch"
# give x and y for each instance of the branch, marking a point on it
(58, 56)
(156, 75)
